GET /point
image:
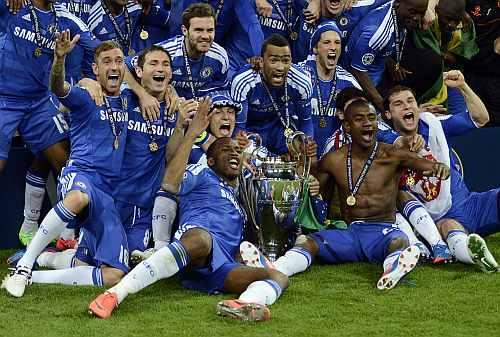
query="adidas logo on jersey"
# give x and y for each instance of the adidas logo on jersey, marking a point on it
(177, 72)
(256, 102)
(103, 31)
(27, 17)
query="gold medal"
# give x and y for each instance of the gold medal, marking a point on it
(116, 143)
(351, 200)
(144, 35)
(322, 122)
(294, 36)
(131, 52)
(410, 181)
(38, 52)
(396, 67)
(153, 146)
(288, 132)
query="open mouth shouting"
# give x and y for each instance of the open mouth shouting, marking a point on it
(225, 129)
(159, 78)
(234, 163)
(409, 118)
(367, 135)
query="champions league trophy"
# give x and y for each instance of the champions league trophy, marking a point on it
(272, 195)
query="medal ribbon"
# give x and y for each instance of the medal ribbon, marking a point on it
(331, 97)
(112, 122)
(36, 24)
(364, 171)
(125, 40)
(188, 69)
(285, 123)
(285, 19)
(399, 45)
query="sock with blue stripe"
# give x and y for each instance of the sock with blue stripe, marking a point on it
(77, 276)
(33, 199)
(422, 222)
(296, 260)
(264, 292)
(53, 224)
(164, 263)
(457, 242)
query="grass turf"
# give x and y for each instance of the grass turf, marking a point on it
(452, 300)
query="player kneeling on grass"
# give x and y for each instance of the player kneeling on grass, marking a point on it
(368, 203)
(211, 224)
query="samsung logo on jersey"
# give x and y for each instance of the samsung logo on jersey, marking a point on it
(186, 84)
(308, 28)
(26, 34)
(315, 108)
(230, 197)
(119, 116)
(142, 127)
(75, 8)
(272, 23)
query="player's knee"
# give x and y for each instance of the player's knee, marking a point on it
(307, 243)
(279, 278)
(198, 243)
(76, 201)
(446, 225)
(111, 276)
(397, 244)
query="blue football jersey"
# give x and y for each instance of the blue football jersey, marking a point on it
(208, 73)
(208, 201)
(284, 18)
(129, 24)
(22, 73)
(246, 37)
(142, 170)
(91, 134)
(372, 41)
(258, 112)
(325, 122)
(346, 22)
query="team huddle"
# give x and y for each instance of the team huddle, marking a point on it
(144, 110)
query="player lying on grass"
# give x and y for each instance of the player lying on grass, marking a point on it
(211, 224)
(367, 203)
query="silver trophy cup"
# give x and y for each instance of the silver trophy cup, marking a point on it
(272, 195)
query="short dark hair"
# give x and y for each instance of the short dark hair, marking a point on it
(105, 46)
(357, 102)
(142, 55)
(456, 7)
(213, 149)
(274, 40)
(394, 90)
(348, 94)
(197, 10)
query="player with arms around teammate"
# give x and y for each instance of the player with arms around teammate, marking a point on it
(211, 224)
(367, 173)
(462, 216)
(98, 135)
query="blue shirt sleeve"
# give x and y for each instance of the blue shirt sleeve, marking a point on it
(456, 125)
(193, 176)
(249, 21)
(360, 53)
(305, 120)
(77, 100)
(386, 134)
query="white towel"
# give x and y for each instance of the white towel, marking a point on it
(434, 193)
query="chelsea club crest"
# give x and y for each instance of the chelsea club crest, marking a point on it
(206, 72)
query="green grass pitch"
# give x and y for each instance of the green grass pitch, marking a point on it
(451, 300)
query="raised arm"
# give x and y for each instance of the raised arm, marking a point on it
(64, 45)
(476, 107)
(428, 168)
(177, 166)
